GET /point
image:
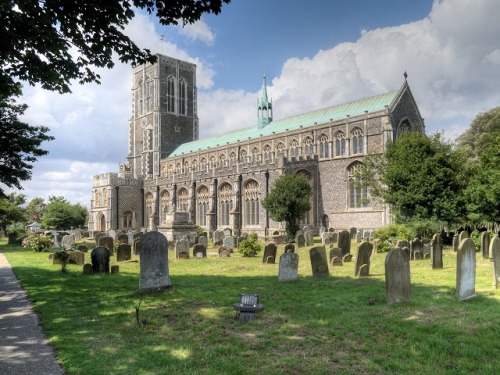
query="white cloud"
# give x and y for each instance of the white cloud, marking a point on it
(198, 31)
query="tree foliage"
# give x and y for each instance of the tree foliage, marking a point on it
(10, 209)
(288, 200)
(421, 177)
(35, 209)
(250, 246)
(60, 214)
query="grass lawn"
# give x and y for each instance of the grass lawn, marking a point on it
(334, 325)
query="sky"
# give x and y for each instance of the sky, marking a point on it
(314, 54)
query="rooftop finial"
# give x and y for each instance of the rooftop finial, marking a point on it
(405, 75)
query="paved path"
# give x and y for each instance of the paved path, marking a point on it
(23, 347)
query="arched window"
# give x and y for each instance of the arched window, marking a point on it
(294, 148)
(212, 162)
(203, 197)
(339, 144)
(222, 159)
(178, 168)
(357, 190)
(251, 200)
(183, 200)
(164, 204)
(127, 219)
(308, 146)
(404, 127)
(194, 165)
(232, 157)
(170, 169)
(280, 148)
(243, 155)
(357, 141)
(182, 97)
(148, 93)
(225, 203)
(267, 152)
(171, 94)
(186, 166)
(203, 164)
(150, 201)
(324, 146)
(140, 99)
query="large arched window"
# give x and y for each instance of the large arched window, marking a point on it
(267, 152)
(171, 94)
(251, 200)
(308, 146)
(203, 197)
(182, 97)
(225, 204)
(294, 148)
(404, 127)
(164, 204)
(339, 144)
(280, 149)
(324, 146)
(183, 200)
(357, 190)
(127, 219)
(243, 155)
(358, 141)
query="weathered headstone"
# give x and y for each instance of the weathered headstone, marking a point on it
(336, 256)
(346, 258)
(225, 252)
(485, 244)
(76, 257)
(466, 270)
(397, 277)
(112, 234)
(87, 269)
(228, 232)
(123, 238)
(107, 242)
(289, 248)
(67, 241)
(325, 239)
(182, 249)
(100, 260)
(426, 250)
(416, 246)
(319, 263)
(123, 253)
(199, 251)
(269, 254)
(367, 235)
(462, 236)
(217, 237)
(455, 243)
(362, 267)
(136, 245)
(154, 263)
(494, 255)
(345, 242)
(359, 236)
(289, 266)
(78, 234)
(308, 237)
(300, 240)
(436, 252)
(202, 240)
(352, 232)
(229, 241)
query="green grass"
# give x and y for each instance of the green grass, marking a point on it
(339, 324)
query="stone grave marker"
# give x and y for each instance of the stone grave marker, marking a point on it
(228, 232)
(352, 232)
(67, 241)
(426, 250)
(269, 254)
(87, 269)
(367, 235)
(229, 241)
(289, 248)
(123, 238)
(485, 244)
(455, 243)
(76, 257)
(362, 267)
(494, 255)
(308, 237)
(225, 252)
(325, 239)
(199, 251)
(466, 270)
(416, 246)
(123, 253)
(182, 249)
(136, 245)
(462, 236)
(407, 251)
(345, 242)
(100, 260)
(436, 252)
(217, 237)
(397, 277)
(359, 236)
(300, 240)
(107, 242)
(112, 234)
(346, 258)
(289, 267)
(319, 263)
(202, 240)
(78, 234)
(336, 256)
(153, 252)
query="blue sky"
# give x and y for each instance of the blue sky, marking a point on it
(315, 54)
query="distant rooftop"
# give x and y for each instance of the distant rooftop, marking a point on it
(320, 116)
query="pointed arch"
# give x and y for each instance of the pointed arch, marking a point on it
(183, 200)
(358, 141)
(340, 143)
(251, 202)
(225, 203)
(202, 201)
(324, 146)
(357, 192)
(171, 83)
(182, 96)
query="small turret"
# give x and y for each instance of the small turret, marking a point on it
(264, 107)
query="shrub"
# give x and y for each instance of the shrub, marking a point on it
(425, 229)
(395, 232)
(251, 246)
(37, 241)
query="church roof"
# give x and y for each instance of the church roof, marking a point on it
(320, 116)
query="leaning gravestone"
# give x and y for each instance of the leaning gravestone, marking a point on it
(319, 263)
(289, 248)
(436, 252)
(107, 242)
(494, 254)
(153, 250)
(397, 277)
(229, 241)
(485, 244)
(270, 254)
(123, 253)
(182, 249)
(466, 270)
(336, 256)
(225, 252)
(289, 266)
(362, 267)
(300, 240)
(345, 242)
(100, 260)
(199, 251)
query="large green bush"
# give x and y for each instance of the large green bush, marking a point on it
(251, 246)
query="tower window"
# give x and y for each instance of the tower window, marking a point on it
(177, 129)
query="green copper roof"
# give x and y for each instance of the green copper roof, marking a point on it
(320, 116)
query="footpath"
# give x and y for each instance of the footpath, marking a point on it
(23, 347)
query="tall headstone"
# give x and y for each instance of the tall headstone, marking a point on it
(269, 254)
(100, 260)
(397, 276)
(289, 267)
(436, 252)
(352, 232)
(466, 270)
(308, 237)
(462, 236)
(345, 242)
(154, 263)
(319, 263)
(123, 253)
(182, 249)
(362, 267)
(494, 254)
(455, 243)
(485, 244)
(300, 240)
(107, 242)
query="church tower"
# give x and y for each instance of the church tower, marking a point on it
(264, 107)
(164, 113)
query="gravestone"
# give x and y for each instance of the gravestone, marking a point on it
(346, 258)
(202, 240)
(225, 252)
(78, 234)
(325, 239)
(228, 232)
(270, 254)
(217, 237)
(352, 232)
(67, 241)
(494, 254)
(154, 263)
(426, 250)
(455, 243)
(402, 243)
(367, 235)
(485, 244)
(123, 253)
(308, 237)
(345, 242)
(199, 251)
(359, 236)
(100, 260)
(397, 276)
(300, 240)
(407, 251)
(112, 234)
(289, 248)
(76, 257)
(466, 270)
(98, 235)
(416, 246)
(182, 249)
(83, 248)
(462, 236)
(336, 256)
(229, 241)
(362, 267)
(289, 267)
(436, 252)
(87, 269)
(136, 245)
(123, 238)
(107, 242)
(319, 263)
(335, 237)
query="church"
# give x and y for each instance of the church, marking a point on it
(172, 178)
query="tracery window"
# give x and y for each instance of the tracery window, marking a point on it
(171, 94)
(357, 141)
(339, 144)
(225, 203)
(243, 155)
(203, 204)
(324, 146)
(404, 127)
(194, 165)
(170, 169)
(357, 190)
(280, 148)
(150, 201)
(183, 200)
(308, 146)
(164, 204)
(267, 152)
(127, 219)
(149, 96)
(203, 163)
(294, 148)
(182, 97)
(251, 198)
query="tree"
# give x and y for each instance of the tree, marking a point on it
(19, 144)
(35, 209)
(10, 209)
(421, 177)
(288, 201)
(60, 214)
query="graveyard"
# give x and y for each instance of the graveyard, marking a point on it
(324, 321)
